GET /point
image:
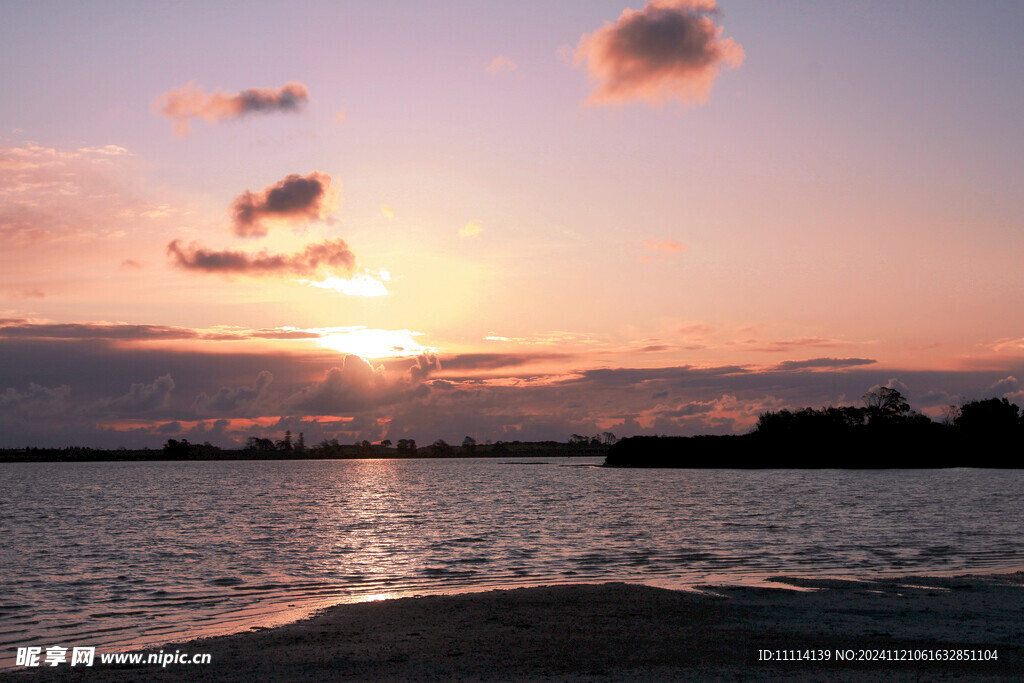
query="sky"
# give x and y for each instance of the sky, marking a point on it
(504, 220)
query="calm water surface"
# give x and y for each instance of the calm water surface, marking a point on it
(125, 554)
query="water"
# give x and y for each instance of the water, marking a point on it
(121, 555)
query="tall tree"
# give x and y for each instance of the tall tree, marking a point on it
(886, 403)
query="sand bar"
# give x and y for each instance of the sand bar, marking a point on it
(623, 632)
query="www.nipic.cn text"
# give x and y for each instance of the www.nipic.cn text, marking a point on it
(55, 655)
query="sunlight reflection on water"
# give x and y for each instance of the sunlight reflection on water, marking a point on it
(143, 553)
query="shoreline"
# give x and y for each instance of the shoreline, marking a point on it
(618, 631)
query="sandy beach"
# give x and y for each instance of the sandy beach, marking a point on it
(618, 631)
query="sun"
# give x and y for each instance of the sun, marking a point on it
(372, 343)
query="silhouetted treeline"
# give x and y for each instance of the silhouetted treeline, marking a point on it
(287, 448)
(884, 433)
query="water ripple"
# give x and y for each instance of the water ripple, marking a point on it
(141, 553)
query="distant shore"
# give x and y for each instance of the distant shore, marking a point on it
(197, 452)
(623, 632)
(879, 449)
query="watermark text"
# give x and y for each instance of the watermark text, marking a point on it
(55, 655)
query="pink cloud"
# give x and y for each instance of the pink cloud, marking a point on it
(671, 49)
(81, 195)
(780, 345)
(191, 102)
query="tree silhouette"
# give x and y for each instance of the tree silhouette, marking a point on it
(255, 444)
(885, 403)
(988, 418)
(285, 444)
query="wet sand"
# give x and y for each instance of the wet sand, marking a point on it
(623, 632)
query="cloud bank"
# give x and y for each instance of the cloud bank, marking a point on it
(228, 400)
(141, 399)
(671, 49)
(57, 391)
(293, 201)
(190, 102)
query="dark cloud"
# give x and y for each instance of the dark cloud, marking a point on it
(24, 329)
(98, 368)
(294, 200)
(172, 428)
(424, 365)
(35, 403)
(141, 399)
(671, 49)
(680, 374)
(330, 257)
(191, 102)
(815, 363)
(229, 401)
(1006, 387)
(358, 386)
(267, 99)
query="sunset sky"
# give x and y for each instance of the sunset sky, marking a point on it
(509, 220)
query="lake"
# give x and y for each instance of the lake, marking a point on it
(125, 554)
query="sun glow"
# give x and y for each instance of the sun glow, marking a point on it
(371, 343)
(366, 283)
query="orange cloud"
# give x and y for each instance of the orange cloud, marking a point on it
(501, 63)
(191, 102)
(296, 199)
(330, 257)
(661, 249)
(471, 229)
(671, 49)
